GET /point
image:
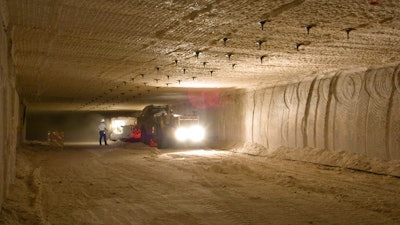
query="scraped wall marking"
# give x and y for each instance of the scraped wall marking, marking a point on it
(354, 111)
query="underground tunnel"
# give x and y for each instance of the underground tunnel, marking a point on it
(299, 101)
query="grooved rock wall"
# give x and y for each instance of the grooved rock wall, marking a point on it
(353, 111)
(9, 111)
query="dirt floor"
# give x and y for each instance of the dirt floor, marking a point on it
(136, 184)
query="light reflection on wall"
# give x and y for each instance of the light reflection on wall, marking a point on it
(116, 125)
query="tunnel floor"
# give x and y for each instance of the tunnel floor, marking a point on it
(136, 184)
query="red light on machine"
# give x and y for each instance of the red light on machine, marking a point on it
(204, 99)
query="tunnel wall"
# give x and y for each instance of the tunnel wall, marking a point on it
(9, 111)
(351, 111)
(76, 126)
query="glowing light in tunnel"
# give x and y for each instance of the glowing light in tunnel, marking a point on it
(116, 126)
(194, 134)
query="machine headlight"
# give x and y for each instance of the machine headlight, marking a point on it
(197, 133)
(181, 134)
(194, 133)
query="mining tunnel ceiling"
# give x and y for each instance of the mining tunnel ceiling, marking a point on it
(124, 54)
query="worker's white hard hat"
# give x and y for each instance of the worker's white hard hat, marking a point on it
(102, 120)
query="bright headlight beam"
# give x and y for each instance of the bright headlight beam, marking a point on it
(194, 134)
(181, 134)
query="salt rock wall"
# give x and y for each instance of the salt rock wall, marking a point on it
(224, 123)
(9, 113)
(351, 111)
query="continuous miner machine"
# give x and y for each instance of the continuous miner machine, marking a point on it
(161, 128)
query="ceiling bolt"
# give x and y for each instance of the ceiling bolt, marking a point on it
(229, 55)
(211, 72)
(158, 69)
(204, 64)
(167, 84)
(262, 58)
(262, 22)
(298, 45)
(308, 27)
(233, 66)
(184, 71)
(259, 43)
(176, 62)
(179, 81)
(156, 80)
(348, 30)
(197, 53)
(194, 78)
(225, 39)
(168, 77)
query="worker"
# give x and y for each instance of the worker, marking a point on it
(102, 131)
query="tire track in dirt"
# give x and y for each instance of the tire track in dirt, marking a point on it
(143, 186)
(333, 183)
(344, 185)
(166, 177)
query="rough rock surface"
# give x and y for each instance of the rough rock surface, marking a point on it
(91, 55)
(351, 111)
(9, 115)
(138, 185)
